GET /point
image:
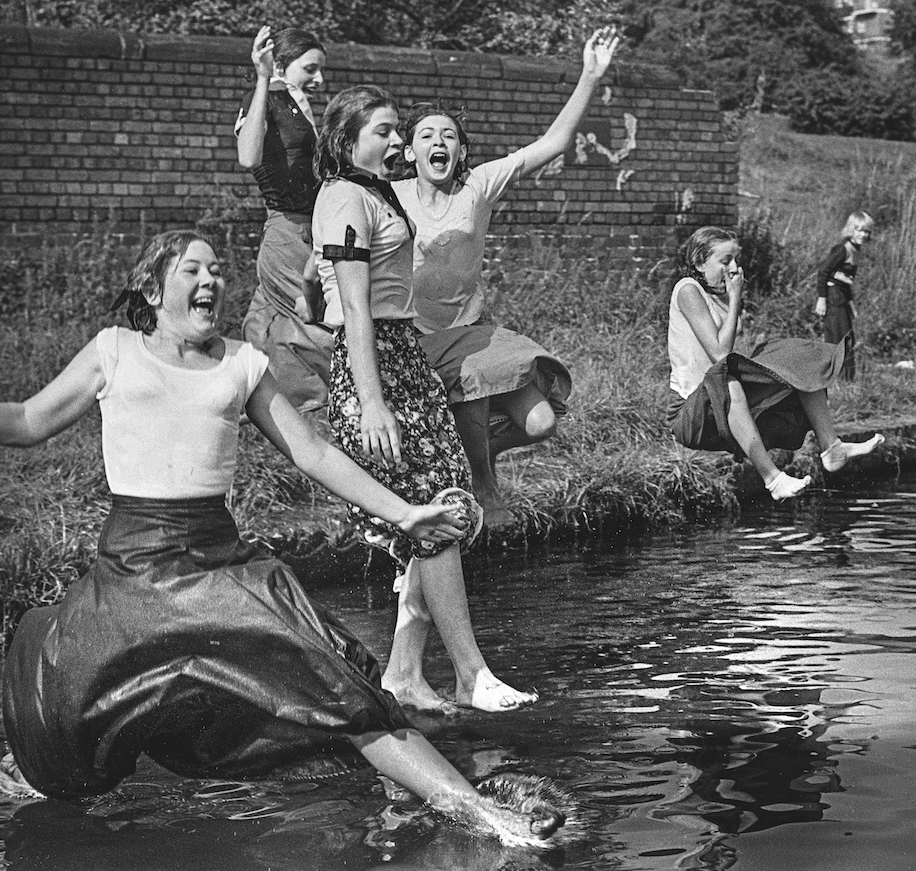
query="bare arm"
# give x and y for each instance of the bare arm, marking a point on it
(380, 429)
(718, 342)
(272, 413)
(54, 408)
(596, 57)
(250, 143)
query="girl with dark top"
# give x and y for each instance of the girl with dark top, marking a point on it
(276, 141)
(181, 642)
(387, 407)
(724, 401)
(834, 287)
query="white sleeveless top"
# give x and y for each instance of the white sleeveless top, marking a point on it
(169, 432)
(689, 360)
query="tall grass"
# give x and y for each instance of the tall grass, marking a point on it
(612, 460)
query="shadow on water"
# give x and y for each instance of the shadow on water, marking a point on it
(739, 697)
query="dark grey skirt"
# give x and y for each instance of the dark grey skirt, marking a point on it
(180, 642)
(772, 378)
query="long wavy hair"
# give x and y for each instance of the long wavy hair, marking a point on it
(416, 113)
(344, 117)
(697, 250)
(147, 278)
(290, 44)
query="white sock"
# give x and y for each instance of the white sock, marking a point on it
(784, 486)
(839, 453)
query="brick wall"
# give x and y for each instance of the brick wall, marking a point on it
(105, 125)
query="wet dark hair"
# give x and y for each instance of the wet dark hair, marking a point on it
(291, 43)
(416, 113)
(147, 278)
(697, 250)
(345, 115)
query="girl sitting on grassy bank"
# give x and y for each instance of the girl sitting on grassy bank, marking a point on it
(181, 641)
(725, 401)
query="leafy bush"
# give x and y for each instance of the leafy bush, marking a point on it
(831, 102)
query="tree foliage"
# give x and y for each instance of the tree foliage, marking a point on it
(790, 56)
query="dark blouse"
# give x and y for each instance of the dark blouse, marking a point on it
(286, 177)
(838, 270)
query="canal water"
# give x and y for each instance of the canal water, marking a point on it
(738, 696)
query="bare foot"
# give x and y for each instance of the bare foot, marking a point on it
(490, 694)
(839, 453)
(421, 697)
(784, 486)
(495, 511)
(13, 782)
(520, 811)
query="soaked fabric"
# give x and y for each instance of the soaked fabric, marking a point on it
(432, 457)
(483, 360)
(772, 378)
(297, 344)
(181, 642)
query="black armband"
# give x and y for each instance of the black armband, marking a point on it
(347, 251)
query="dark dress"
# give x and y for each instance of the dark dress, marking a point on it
(834, 283)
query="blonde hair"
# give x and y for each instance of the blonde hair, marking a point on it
(858, 221)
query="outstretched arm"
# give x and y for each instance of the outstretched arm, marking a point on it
(272, 413)
(596, 58)
(59, 405)
(250, 144)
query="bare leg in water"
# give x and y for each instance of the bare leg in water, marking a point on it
(433, 592)
(409, 759)
(532, 420)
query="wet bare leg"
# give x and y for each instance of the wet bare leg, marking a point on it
(440, 579)
(472, 420)
(409, 759)
(835, 453)
(403, 677)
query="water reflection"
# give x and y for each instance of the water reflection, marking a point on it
(730, 698)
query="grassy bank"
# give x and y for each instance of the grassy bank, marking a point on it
(612, 460)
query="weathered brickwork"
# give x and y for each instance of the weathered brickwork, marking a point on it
(103, 125)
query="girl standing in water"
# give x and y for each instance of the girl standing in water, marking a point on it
(181, 642)
(834, 287)
(724, 401)
(276, 141)
(485, 369)
(387, 407)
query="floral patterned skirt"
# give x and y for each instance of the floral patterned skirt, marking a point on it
(432, 459)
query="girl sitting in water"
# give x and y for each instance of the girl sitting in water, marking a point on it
(724, 401)
(181, 642)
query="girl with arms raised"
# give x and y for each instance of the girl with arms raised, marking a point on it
(486, 369)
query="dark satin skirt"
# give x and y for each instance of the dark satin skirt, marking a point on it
(772, 378)
(182, 643)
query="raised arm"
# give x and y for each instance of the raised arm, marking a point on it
(250, 142)
(59, 405)
(596, 58)
(718, 342)
(272, 413)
